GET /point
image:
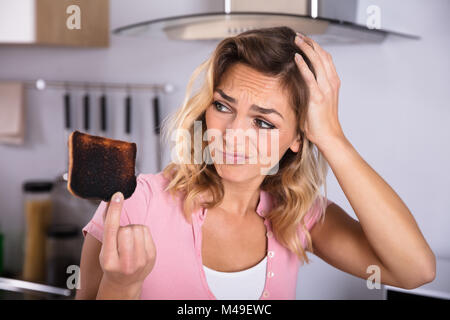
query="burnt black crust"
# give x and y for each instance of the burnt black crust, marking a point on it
(101, 167)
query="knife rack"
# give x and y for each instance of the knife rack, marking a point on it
(42, 84)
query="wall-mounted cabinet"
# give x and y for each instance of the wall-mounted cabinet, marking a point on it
(82, 23)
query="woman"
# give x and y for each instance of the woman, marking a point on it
(240, 230)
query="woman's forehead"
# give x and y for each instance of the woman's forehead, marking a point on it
(247, 85)
(242, 75)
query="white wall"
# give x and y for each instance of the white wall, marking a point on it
(393, 108)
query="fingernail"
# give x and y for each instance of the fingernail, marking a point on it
(297, 56)
(117, 197)
(298, 39)
(300, 34)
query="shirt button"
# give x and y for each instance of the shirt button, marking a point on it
(270, 274)
(271, 254)
(265, 294)
(269, 234)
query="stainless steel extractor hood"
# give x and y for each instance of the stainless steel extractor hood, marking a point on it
(326, 21)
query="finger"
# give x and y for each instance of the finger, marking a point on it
(316, 61)
(334, 74)
(307, 74)
(104, 212)
(112, 223)
(149, 245)
(140, 255)
(325, 58)
(125, 239)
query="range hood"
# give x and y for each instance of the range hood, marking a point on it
(326, 21)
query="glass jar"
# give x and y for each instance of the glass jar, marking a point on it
(63, 250)
(38, 210)
(1, 250)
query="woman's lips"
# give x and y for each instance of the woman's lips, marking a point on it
(233, 156)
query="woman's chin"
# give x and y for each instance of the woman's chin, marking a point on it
(236, 172)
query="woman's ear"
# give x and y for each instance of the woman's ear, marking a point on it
(296, 145)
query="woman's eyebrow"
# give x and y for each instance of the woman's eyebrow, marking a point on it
(253, 106)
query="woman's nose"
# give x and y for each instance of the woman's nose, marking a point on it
(237, 134)
(238, 123)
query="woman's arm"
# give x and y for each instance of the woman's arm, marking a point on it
(93, 284)
(340, 241)
(386, 234)
(91, 272)
(116, 267)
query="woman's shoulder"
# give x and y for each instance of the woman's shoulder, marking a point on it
(153, 188)
(155, 183)
(314, 214)
(316, 211)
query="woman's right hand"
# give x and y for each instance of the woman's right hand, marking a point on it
(127, 255)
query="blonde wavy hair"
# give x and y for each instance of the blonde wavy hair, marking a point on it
(296, 185)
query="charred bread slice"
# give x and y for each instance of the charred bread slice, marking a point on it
(99, 167)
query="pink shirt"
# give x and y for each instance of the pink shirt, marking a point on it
(178, 272)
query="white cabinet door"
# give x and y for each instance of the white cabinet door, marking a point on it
(17, 21)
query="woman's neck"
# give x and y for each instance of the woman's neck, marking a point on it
(240, 198)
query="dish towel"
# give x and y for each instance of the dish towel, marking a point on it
(12, 113)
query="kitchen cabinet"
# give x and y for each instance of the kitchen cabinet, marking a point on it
(80, 23)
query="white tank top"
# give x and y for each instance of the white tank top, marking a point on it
(247, 284)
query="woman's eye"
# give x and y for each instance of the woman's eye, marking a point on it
(260, 123)
(218, 106)
(263, 124)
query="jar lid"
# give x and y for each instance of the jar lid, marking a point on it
(37, 186)
(63, 231)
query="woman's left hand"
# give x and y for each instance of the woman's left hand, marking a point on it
(322, 123)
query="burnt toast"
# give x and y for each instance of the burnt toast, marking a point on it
(99, 167)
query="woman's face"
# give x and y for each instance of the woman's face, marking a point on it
(251, 117)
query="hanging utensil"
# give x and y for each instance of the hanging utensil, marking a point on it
(86, 111)
(103, 114)
(67, 128)
(128, 114)
(157, 131)
(67, 119)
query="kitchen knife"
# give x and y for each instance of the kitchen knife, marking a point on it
(67, 127)
(157, 130)
(86, 107)
(103, 114)
(128, 114)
